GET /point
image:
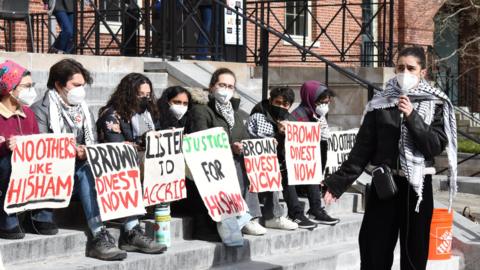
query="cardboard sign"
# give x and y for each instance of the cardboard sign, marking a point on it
(340, 144)
(43, 168)
(164, 168)
(261, 164)
(117, 180)
(210, 160)
(302, 153)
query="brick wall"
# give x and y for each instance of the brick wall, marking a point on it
(413, 24)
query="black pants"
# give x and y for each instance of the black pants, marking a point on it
(382, 222)
(291, 197)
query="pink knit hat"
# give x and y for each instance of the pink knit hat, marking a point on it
(11, 74)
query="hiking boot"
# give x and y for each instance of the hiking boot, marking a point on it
(103, 247)
(136, 240)
(304, 223)
(281, 223)
(254, 228)
(13, 233)
(321, 217)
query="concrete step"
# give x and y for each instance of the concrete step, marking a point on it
(159, 79)
(343, 256)
(348, 203)
(193, 254)
(474, 130)
(69, 241)
(463, 123)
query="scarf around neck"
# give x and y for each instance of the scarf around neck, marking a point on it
(226, 110)
(75, 119)
(424, 99)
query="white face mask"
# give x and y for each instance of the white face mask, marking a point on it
(27, 96)
(178, 110)
(223, 95)
(76, 95)
(407, 81)
(321, 110)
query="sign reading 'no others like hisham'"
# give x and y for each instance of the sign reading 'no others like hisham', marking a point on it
(210, 160)
(42, 172)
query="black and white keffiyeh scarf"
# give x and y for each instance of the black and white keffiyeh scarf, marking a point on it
(65, 118)
(424, 98)
(226, 110)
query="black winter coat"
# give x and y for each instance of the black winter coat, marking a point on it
(377, 143)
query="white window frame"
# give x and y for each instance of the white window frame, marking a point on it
(115, 26)
(299, 38)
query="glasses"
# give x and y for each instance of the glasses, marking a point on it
(24, 86)
(228, 86)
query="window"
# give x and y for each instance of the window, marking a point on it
(112, 9)
(295, 19)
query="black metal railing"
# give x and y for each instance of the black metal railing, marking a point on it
(343, 30)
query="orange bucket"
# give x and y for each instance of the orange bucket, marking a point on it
(441, 234)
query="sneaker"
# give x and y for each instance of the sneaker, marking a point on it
(304, 223)
(281, 223)
(321, 217)
(13, 233)
(136, 240)
(103, 247)
(254, 228)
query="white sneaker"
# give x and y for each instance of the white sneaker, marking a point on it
(254, 228)
(281, 223)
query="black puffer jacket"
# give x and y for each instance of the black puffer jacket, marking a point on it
(377, 143)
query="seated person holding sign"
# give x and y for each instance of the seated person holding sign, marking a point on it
(220, 112)
(16, 119)
(128, 116)
(313, 108)
(264, 122)
(64, 110)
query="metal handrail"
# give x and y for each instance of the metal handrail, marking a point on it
(468, 115)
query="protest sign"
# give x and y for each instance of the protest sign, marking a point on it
(117, 180)
(210, 160)
(340, 144)
(43, 167)
(261, 165)
(164, 168)
(302, 153)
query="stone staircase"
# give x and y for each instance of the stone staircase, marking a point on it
(467, 121)
(326, 247)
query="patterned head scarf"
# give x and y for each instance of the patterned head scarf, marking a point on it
(11, 74)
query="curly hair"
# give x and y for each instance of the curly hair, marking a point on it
(124, 100)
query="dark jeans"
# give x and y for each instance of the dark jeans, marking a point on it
(291, 197)
(206, 13)
(385, 219)
(10, 221)
(84, 188)
(64, 40)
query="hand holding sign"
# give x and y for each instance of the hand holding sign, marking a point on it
(117, 180)
(164, 176)
(42, 172)
(261, 164)
(209, 158)
(302, 149)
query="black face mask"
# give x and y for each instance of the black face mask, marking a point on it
(142, 104)
(278, 113)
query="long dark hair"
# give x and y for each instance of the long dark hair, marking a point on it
(124, 100)
(166, 119)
